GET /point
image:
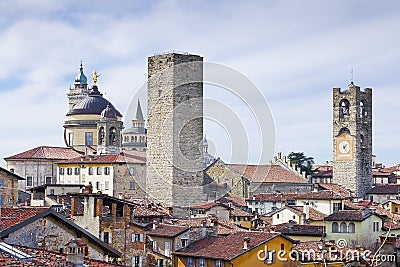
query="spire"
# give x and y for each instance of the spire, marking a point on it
(81, 78)
(139, 113)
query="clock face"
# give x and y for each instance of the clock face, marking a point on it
(344, 147)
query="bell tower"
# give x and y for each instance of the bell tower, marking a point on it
(352, 139)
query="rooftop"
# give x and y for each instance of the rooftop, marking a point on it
(167, 230)
(225, 248)
(46, 152)
(267, 173)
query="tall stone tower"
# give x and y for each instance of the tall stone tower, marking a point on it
(352, 139)
(175, 130)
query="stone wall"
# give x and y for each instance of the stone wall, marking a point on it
(123, 179)
(175, 129)
(37, 169)
(50, 234)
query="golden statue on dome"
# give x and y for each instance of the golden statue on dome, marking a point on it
(95, 77)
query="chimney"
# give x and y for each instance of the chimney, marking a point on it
(246, 243)
(76, 250)
(306, 211)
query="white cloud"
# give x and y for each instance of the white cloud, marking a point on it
(295, 51)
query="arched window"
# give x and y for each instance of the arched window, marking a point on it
(113, 136)
(101, 135)
(363, 110)
(344, 131)
(343, 227)
(344, 110)
(335, 227)
(352, 228)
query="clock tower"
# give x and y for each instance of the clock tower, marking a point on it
(352, 139)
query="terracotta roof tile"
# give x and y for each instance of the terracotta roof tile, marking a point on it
(13, 216)
(46, 152)
(238, 212)
(46, 258)
(225, 227)
(336, 188)
(274, 197)
(235, 200)
(348, 215)
(148, 212)
(314, 214)
(267, 173)
(167, 230)
(385, 189)
(299, 229)
(225, 248)
(324, 194)
(106, 158)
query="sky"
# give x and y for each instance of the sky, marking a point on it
(295, 52)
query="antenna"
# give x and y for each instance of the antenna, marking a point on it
(352, 75)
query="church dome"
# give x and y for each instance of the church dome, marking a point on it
(109, 112)
(81, 78)
(95, 103)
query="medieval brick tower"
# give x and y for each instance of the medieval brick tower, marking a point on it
(352, 139)
(175, 130)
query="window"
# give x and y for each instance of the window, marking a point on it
(29, 181)
(88, 138)
(98, 185)
(137, 237)
(120, 210)
(98, 170)
(190, 261)
(132, 171)
(337, 207)
(218, 263)
(294, 217)
(132, 185)
(202, 262)
(48, 180)
(277, 216)
(71, 139)
(167, 249)
(137, 261)
(184, 242)
(77, 170)
(106, 170)
(1, 183)
(335, 227)
(61, 171)
(107, 185)
(160, 263)
(90, 170)
(291, 202)
(154, 245)
(376, 227)
(343, 227)
(112, 137)
(52, 192)
(282, 247)
(106, 237)
(352, 228)
(69, 171)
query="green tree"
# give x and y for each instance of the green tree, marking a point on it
(303, 162)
